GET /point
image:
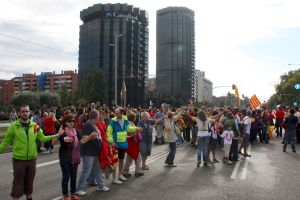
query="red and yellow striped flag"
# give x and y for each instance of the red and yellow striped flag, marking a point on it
(254, 101)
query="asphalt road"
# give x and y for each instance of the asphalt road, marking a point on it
(268, 174)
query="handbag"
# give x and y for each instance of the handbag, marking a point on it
(75, 155)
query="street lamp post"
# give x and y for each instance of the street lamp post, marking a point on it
(116, 38)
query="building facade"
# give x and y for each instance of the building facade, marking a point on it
(6, 91)
(204, 87)
(46, 81)
(115, 36)
(52, 82)
(175, 53)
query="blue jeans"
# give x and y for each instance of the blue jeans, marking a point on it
(202, 147)
(171, 155)
(289, 136)
(69, 171)
(90, 164)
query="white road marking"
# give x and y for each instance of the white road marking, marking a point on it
(245, 168)
(44, 164)
(235, 170)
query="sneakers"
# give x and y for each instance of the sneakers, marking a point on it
(81, 193)
(68, 197)
(47, 151)
(104, 189)
(122, 178)
(284, 150)
(198, 163)
(117, 181)
(137, 174)
(74, 197)
(127, 175)
(171, 165)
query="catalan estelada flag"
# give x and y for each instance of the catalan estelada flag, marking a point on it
(254, 101)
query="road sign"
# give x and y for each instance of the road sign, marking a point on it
(297, 86)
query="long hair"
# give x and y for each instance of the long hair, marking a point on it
(202, 115)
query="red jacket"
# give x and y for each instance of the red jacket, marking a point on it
(105, 155)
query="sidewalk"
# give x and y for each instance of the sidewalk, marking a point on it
(4, 124)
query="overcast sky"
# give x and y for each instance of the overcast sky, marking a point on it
(247, 43)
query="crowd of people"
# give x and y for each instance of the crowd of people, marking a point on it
(107, 140)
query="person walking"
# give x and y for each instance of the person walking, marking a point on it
(133, 150)
(203, 136)
(69, 157)
(90, 150)
(246, 133)
(146, 143)
(169, 123)
(117, 135)
(49, 124)
(290, 124)
(279, 114)
(22, 134)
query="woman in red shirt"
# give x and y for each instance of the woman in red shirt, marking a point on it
(49, 124)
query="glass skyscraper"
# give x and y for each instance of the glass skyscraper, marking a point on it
(101, 24)
(175, 54)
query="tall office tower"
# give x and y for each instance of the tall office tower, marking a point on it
(175, 54)
(116, 36)
(204, 87)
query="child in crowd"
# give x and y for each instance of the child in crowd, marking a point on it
(227, 135)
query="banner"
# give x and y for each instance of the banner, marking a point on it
(254, 101)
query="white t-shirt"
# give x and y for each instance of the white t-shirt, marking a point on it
(203, 128)
(227, 135)
(247, 123)
(214, 132)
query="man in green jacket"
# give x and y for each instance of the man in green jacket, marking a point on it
(22, 134)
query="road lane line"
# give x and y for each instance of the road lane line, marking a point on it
(235, 170)
(245, 168)
(44, 164)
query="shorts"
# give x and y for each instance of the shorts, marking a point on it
(121, 153)
(145, 148)
(245, 140)
(24, 173)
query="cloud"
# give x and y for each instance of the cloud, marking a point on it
(6, 76)
(223, 30)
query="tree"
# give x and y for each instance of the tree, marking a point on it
(49, 99)
(93, 88)
(30, 98)
(286, 93)
(65, 95)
